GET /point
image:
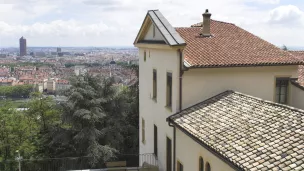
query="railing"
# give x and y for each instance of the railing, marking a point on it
(125, 162)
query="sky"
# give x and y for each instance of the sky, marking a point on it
(99, 23)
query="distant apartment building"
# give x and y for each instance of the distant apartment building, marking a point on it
(62, 85)
(6, 82)
(22, 46)
(80, 69)
(58, 50)
(50, 85)
(40, 54)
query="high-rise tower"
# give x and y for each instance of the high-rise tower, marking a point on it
(22, 46)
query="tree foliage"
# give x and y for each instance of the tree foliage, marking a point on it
(19, 91)
(98, 120)
(284, 47)
(26, 130)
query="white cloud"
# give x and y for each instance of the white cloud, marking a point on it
(288, 14)
(265, 1)
(116, 22)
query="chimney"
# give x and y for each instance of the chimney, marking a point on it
(206, 24)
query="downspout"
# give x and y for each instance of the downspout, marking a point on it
(174, 143)
(181, 72)
(180, 105)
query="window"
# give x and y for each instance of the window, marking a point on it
(145, 56)
(169, 89)
(143, 133)
(201, 164)
(154, 84)
(155, 140)
(208, 168)
(281, 90)
(169, 155)
(153, 31)
(180, 167)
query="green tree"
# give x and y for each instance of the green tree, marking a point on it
(84, 118)
(284, 47)
(14, 133)
(43, 117)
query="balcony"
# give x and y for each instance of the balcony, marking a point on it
(126, 162)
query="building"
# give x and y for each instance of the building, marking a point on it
(58, 50)
(22, 46)
(216, 97)
(62, 85)
(50, 85)
(80, 70)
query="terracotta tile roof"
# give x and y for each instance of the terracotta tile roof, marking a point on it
(230, 46)
(248, 132)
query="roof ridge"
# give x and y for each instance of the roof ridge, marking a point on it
(269, 102)
(295, 50)
(224, 22)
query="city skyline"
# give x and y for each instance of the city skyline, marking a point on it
(114, 23)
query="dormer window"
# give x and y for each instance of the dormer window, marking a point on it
(282, 90)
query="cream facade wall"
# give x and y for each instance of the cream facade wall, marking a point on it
(154, 111)
(188, 153)
(297, 97)
(201, 84)
(149, 34)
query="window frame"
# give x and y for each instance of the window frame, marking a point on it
(168, 153)
(278, 94)
(154, 82)
(155, 140)
(169, 90)
(179, 166)
(143, 131)
(206, 166)
(201, 164)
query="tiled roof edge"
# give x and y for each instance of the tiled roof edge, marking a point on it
(247, 65)
(295, 83)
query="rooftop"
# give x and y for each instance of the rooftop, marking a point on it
(300, 54)
(230, 46)
(247, 132)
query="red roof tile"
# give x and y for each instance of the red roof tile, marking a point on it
(230, 46)
(300, 54)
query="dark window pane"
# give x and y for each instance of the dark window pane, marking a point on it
(169, 89)
(201, 164)
(169, 154)
(208, 168)
(281, 90)
(155, 140)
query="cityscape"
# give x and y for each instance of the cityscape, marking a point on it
(155, 85)
(50, 68)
